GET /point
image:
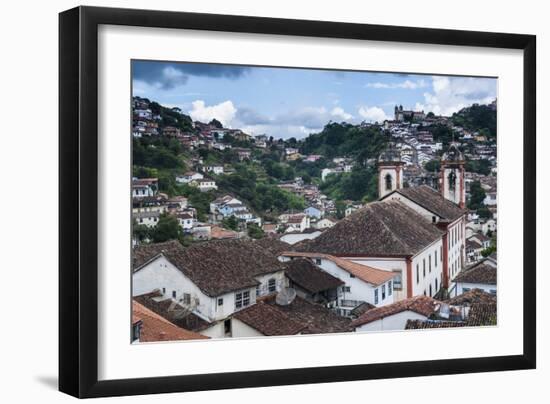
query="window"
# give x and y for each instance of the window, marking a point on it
(464, 290)
(163, 291)
(441, 253)
(220, 301)
(430, 290)
(271, 285)
(346, 289)
(436, 289)
(173, 294)
(242, 299)
(430, 264)
(398, 280)
(376, 296)
(434, 219)
(435, 260)
(318, 261)
(424, 267)
(452, 181)
(136, 330)
(383, 292)
(388, 182)
(493, 291)
(389, 288)
(351, 275)
(417, 274)
(187, 298)
(258, 290)
(227, 326)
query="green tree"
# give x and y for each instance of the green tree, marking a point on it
(477, 195)
(140, 231)
(231, 223)
(433, 166)
(214, 122)
(255, 231)
(167, 228)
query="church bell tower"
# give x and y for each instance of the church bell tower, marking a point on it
(452, 176)
(390, 171)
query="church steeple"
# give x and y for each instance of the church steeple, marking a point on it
(390, 171)
(452, 176)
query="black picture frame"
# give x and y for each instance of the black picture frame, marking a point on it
(78, 206)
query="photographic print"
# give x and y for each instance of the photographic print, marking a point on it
(280, 201)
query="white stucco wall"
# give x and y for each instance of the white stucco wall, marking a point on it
(456, 247)
(382, 173)
(395, 322)
(240, 329)
(161, 273)
(413, 205)
(389, 264)
(423, 258)
(460, 286)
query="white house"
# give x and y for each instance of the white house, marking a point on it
(147, 218)
(206, 185)
(396, 315)
(324, 223)
(215, 169)
(313, 212)
(144, 187)
(212, 279)
(188, 177)
(297, 222)
(186, 221)
(482, 275)
(362, 283)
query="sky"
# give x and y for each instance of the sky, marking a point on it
(293, 102)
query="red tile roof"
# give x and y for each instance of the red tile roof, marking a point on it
(156, 328)
(423, 305)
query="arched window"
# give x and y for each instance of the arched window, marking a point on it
(388, 182)
(452, 181)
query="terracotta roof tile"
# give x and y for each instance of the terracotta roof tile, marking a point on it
(378, 229)
(172, 311)
(482, 272)
(156, 328)
(423, 305)
(309, 276)
(269, 320)
(423, 324)
(473, 296)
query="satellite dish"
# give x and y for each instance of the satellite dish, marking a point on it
(285, 296)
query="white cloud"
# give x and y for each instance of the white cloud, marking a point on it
(450, 94)
(295, 123)
(407, 85)
(339, 113)
(373, 114)
(224, 112)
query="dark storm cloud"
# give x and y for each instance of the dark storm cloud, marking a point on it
(169, 75)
